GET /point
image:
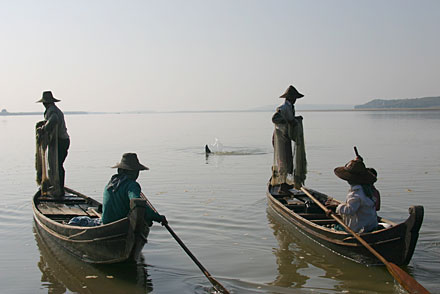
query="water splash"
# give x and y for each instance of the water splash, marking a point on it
(216, 147)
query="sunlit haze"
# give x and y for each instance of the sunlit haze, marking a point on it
(215, 55)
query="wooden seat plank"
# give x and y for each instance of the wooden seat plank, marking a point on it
(323, 221)
(60, 209)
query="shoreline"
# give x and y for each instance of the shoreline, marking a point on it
(375, 109)
(222, 111)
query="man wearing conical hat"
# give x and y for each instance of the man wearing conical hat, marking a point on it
(54, 117)
(359, 210)
(285, 121)
(121, 188)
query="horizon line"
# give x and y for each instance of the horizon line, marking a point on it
(219, 111)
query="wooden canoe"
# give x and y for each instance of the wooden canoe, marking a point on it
(394, 241)
(118, 241)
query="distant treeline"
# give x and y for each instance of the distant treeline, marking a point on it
(426, 102)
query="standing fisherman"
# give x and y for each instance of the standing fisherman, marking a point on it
(54, 124)
(288, 127)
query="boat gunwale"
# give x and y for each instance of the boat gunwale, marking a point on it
(69, 239)
(41, 215)
(297, 218)
(122, 231)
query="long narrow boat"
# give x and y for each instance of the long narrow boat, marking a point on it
(394, 241)
(118, 241)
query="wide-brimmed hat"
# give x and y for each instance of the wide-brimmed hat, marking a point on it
(130, 161)
(291, 92)
(356, 172)
(48, 98)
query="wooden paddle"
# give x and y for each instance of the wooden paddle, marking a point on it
(402, 277)
(214, 282)
(357, 153)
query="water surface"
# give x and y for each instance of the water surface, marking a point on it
(217, 204)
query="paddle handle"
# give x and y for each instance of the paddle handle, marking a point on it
(204, 270)
(341, 222)
(356, 151)
(408, 282)
(201, 267)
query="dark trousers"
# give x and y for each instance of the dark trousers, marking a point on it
(63, 146)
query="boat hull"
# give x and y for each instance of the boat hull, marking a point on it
(118, 241)
(396, 243)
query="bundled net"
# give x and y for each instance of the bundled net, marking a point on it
(300, 172)
(46, 161)
(289, 167)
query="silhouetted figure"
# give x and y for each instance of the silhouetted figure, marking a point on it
(54, 124)
(286, 129)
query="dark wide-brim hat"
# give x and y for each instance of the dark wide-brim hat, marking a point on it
(291, 92)
(356, 172)
(48, 98)
(130, 161)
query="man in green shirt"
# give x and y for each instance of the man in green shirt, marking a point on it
(121, 188)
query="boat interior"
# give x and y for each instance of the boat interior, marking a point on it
(71, 205)
(298, 202)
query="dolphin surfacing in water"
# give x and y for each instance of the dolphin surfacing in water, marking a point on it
(207, 150)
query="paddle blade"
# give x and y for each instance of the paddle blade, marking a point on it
(404, 279)
(219, 287)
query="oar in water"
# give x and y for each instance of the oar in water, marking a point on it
(402, 277)
(214, 282)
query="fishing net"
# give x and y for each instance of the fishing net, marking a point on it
(284, 171)
(300, 172)
(46, 160)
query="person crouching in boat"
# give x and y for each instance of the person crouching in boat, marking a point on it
(121, 188)
(359, 210)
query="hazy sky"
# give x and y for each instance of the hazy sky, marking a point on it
(196, 55)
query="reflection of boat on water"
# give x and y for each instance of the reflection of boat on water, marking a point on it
(61, 271)
(396, 242)
(303, 264)
(288, 259)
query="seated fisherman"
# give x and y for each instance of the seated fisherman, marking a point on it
(121, 188)
(359, 210)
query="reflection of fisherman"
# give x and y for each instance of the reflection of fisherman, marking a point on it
(288, 128)
(289, 261)
(54, 120)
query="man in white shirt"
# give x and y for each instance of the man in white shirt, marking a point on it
(359, 210)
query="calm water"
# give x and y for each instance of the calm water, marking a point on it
(217, 205)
